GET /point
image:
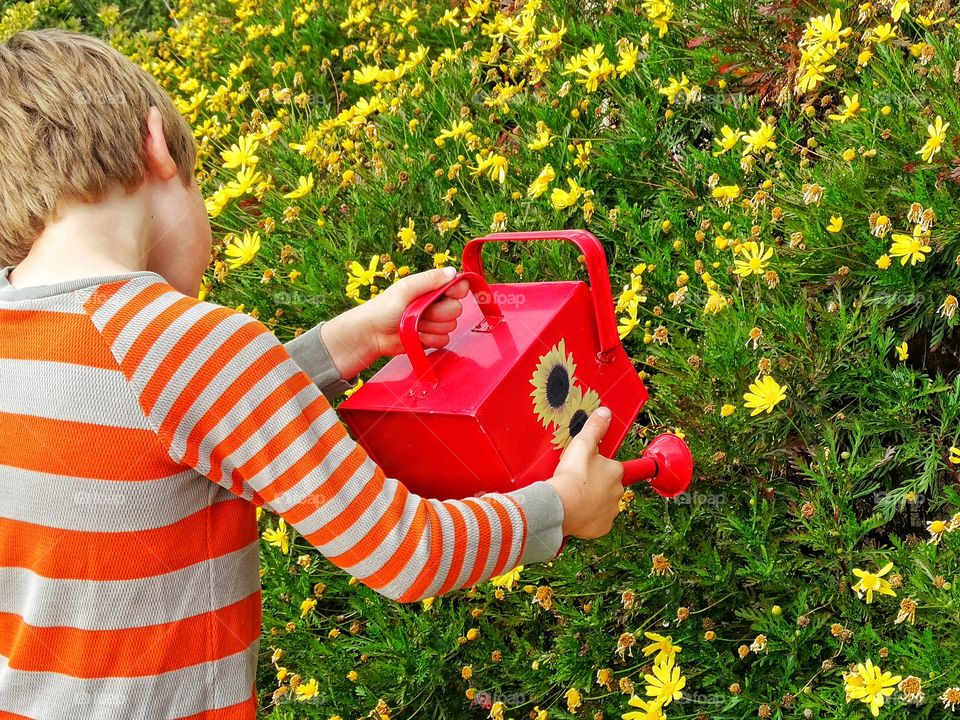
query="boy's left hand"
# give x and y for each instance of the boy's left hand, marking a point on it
(361, 335)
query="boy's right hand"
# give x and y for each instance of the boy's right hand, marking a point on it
(589, 484)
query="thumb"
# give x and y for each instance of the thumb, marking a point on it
(592, 431)
(420, 283)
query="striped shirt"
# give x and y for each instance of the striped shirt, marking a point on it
(139, 429)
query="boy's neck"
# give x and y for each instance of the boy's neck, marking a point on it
(108, 237)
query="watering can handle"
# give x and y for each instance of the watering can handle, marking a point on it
(410, 319)
(596, 271)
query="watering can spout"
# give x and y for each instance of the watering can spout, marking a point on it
(667, 465)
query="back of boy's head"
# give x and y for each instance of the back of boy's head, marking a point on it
(72, 122)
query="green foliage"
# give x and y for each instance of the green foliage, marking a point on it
(843, 474)
(86, 16)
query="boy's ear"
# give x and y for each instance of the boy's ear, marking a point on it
(159, 161)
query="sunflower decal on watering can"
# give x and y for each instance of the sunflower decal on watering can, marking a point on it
(557, 400)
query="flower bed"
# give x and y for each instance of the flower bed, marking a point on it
(777, 186)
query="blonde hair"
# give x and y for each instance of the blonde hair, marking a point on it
(72, 122)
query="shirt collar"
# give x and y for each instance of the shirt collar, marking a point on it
(9, 292)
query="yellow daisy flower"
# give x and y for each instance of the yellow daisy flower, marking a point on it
(629, 321)
(851, 106)
(278, 537)
(648, 710)
(871, 583)
(459, 129)
(407, 235)
(441, 259)
(899, 7)
(247, 180)
(543, 139)
(562, 199)
(910, 248)
(662, 646)
(366, 75)
(539, 186)
(870, 686)
(937, 528)
(881, 34)
(937, 132)
(241, 154)
(759, 139)
(304, 186)
(754, 259)
(508, 579)
(627, 54)
(307, 691)
(728, 140)
(307, 607)
(666, 683)
(726, 194)
(492, 165)
(764, 395)
(360, 276)
(244, 250)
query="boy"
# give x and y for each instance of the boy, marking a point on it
(140, 427)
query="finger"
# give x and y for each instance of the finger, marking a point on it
(433, 340)
(443, 310)
(618, 470)
(437, 328)
(413, 286)
(458, 290)
(593, 430)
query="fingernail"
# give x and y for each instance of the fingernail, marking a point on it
(604, 412)
(449, 271)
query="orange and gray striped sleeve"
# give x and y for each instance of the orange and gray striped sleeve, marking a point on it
(227, 399)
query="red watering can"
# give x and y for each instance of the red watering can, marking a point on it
(524, 368)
